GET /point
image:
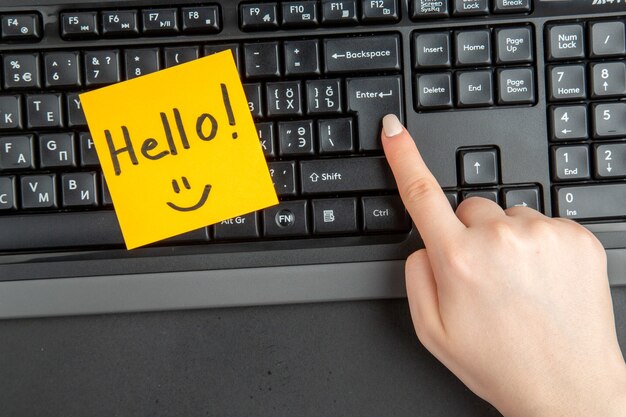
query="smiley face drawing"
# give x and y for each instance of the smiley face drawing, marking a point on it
(200, 203)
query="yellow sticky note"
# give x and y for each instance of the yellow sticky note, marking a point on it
(179, 149)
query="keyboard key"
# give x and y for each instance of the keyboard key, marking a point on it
(323, 96)
(610, 160)
(594, 201)
(371, 98)
(10, 112)
(79, 25)
(261, 60)
(255, 104)
(521, 197)
(512, 6)
(300, 14)
(607, 39)
(39, 191)
(339, 12)
(62, 69)
(566, 42)
(488, 194)
(384, 214)
(8, 194)
(335, 136)
(428, 9)
(516, 86)
(88, 154)
(479, 167)
(453, 198)
(234, 48)
(201, 19)
(569, 122)
(21, 71)
(44, 110)
(102, 67)
(75, 114)
(240, 227)
(570, 162)
(371, 53)
(608, 79)
(474, 88)
(265, 131)
(79, 189)
(514, 45)
(284, 177)
(433, 91)
(431, 50)
(284, 98)
(379, 11)
(160, 21)
(106, 195)
(16, 152)
(336, 215)
(329, 176)
(470, 7)
(296, 138)
(59, 230)
(56, 150)
(141, 62)
(121, 23)
(473, 47)
(289, 218)
(259, 16)
(567, 82)
(20, 27)
(609, 119)
(301, 57)
(180, 55)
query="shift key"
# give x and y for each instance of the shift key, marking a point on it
(371, 98)
(342, 175)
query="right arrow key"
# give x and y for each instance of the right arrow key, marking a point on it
(479, 167)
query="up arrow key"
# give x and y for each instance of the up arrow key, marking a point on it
(479, 167)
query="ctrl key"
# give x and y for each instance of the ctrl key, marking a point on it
(384, 214)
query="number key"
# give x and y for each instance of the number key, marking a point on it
(141, 62)
(608, 79)
(62, 69)
(609, 119)
(611, 160)
(571, 162)
(102, 67)
(567, 82)
(21, 71)
(569, 122)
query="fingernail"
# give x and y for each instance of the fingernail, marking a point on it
(391, 125)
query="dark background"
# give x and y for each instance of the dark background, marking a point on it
(332, 359)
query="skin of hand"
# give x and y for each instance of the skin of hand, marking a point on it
(517, 305)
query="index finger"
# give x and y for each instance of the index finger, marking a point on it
(423, 197)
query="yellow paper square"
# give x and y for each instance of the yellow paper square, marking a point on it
(197, 157)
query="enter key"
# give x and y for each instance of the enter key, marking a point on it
(372, 98)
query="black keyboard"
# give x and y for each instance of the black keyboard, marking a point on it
(519, 101)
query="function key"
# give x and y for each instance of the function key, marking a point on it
(159, 21)
(470, 7)
(120, 23)
(20, 27)
(300, 13)
(514, 45)
(201, 19)
(339, 12)
(512, 6)
(425, 9)
(80, 25)
(516, 86)
(379, 10)
(566, 41)
(259, 16)
(432, 50)
(289, 218)
(607, 38)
